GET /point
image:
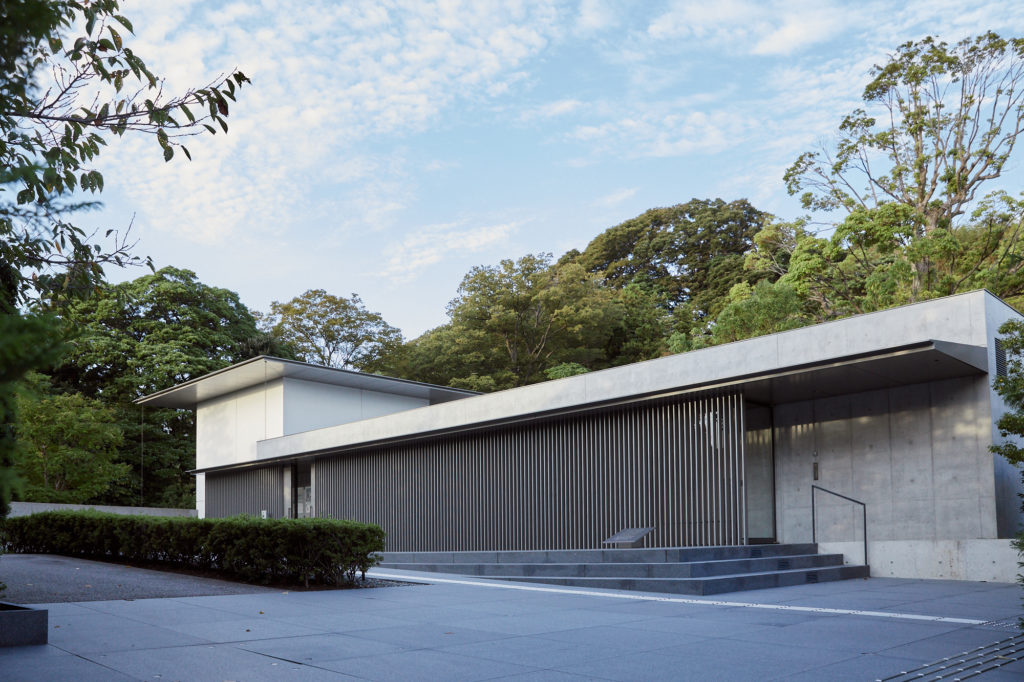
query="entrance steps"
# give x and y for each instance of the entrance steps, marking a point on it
(675, 570)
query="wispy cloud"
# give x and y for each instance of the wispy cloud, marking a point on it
(328, 78)
(767, 28)
(616, 197)
(430, 245)
(554, 109)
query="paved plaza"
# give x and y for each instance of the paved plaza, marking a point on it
(455, 628)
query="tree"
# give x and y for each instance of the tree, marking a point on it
(68, 444)
(947, 121)
(765, 308)
(25, 342)
(61, 99)
(332, 330)
(870, 260)
(142, 336)
(1010, 388)
(527, 315)
(690, 253)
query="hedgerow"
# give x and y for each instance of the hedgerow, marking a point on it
(295, 551)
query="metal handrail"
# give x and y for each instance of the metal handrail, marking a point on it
(864, 518)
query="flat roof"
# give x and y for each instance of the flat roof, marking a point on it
(932, 340)
(264, 368)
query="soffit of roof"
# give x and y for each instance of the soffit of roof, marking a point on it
(263, 370)
(932, 361)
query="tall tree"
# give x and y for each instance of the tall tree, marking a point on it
(940, 123)
(142, 336)
(68, 446)
(332, 330)
(62, 97)
(528, 315)
(691, 253)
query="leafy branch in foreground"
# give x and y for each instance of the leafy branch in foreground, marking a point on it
(61, 98)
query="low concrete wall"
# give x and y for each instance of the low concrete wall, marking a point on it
(985, 560)
(26, 508)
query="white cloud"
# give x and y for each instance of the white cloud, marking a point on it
(328, 79)
(616, 197)
(554, 109)
(430, 245)
(595, 16)
(769, 28)
(665, 131)
(437, 165)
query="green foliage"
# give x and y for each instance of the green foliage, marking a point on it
(565, 369)
(873, 260)
(642, 326)
(1011, 389)
(945, 121)
(765, 308)
(62, 97)
(26, 343)
(690, 253)
(332, 330)
(140, 337)
(520, 317)
(295, 551)
(513, 321)
(67, 444)
(1011, 424)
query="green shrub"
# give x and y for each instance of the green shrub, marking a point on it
(322, 551)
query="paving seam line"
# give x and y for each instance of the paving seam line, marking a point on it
(682, 600)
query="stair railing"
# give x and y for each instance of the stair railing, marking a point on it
(864, 516)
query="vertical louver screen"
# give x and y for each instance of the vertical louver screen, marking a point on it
(565, 483)
(1000, 358)
(251, 491)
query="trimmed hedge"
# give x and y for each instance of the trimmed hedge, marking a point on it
(323, 551)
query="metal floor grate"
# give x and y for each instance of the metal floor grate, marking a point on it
(968, 664)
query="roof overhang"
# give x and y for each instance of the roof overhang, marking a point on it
(265, 369)
(887, 368)
(912, 364)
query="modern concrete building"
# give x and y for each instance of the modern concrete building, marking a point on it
(720, 446)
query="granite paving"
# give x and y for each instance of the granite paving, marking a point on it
(447, 627)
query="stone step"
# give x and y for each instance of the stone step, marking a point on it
(593, 556)
(708, 585)
(695, 569)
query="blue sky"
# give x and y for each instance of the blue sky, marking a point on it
(386, 147)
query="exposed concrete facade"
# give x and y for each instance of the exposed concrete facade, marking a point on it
(893, 408)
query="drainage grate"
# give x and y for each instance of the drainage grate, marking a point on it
(967, 664)
(812, 577)
(784, 564)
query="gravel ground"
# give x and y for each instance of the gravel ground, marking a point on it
(48, 578)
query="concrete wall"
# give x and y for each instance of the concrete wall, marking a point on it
(228, 428)
(26, 508)
(201, 495)
(310, 405)
(916, 455)
(988, 560)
